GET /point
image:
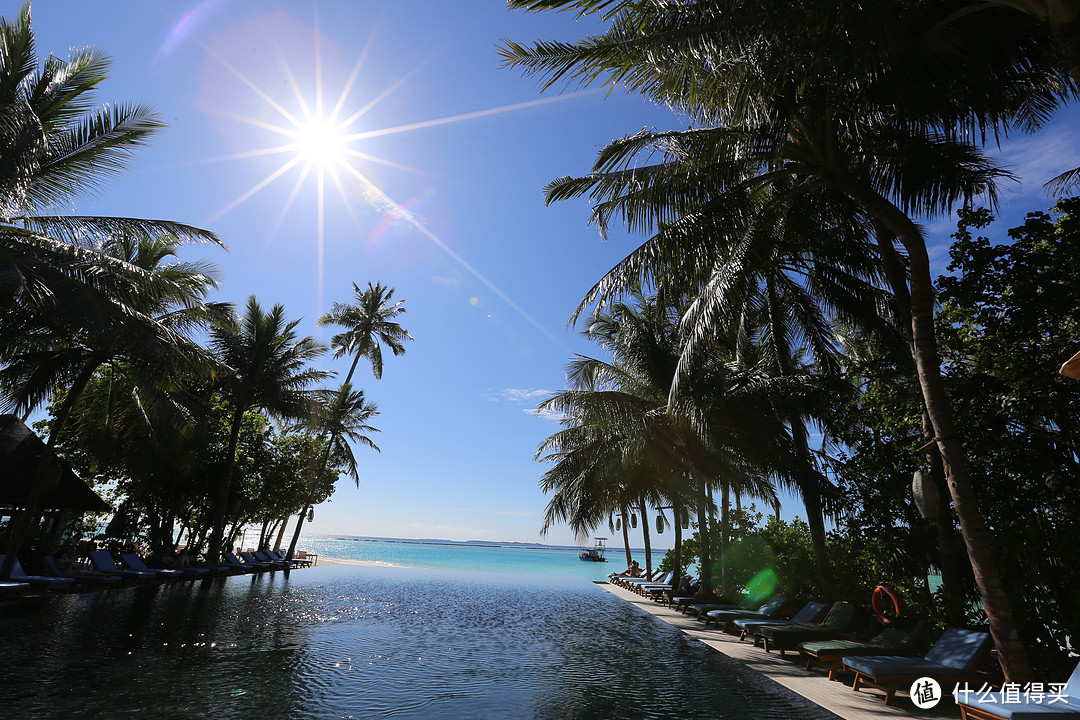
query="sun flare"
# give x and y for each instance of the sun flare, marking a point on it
(320, 142)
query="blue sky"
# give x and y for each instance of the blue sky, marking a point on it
(442, 199)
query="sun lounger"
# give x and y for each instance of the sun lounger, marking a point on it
(103, 562)
(296, 562)
(81, 578)
(752, 601)
(233, 562)
(44, 582)
(953, 659)
(1056, 704)
(261, 556)
(249, 561)
(810, 614)
(840, 619)
(773, 609)
(10, 587)
(905, 636)
(135, 562)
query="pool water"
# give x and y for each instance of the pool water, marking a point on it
(366, 642)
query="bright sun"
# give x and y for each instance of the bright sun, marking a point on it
(320, 143)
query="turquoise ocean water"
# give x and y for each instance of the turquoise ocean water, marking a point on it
(472, 556)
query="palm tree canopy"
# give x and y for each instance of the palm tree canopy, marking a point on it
(268, 362)
(343, 415)
(369, 324)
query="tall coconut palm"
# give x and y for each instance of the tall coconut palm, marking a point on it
(858, 121)
(269, 371)
(369, 324)
(342, 418)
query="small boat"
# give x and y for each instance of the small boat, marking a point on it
(596, 552)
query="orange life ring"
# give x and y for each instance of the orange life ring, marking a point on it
(881, 592)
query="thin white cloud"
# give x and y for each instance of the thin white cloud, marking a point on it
(1041, 157)
(552, 415)
(530, 396)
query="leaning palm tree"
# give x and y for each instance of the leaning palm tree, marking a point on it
(369, 324)
(343, 417)
(55, 150)
(836, 98)
(269, 371)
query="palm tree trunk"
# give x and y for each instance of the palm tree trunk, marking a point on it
(676, 552)
(1011, 650)
(725, 532)
(648, 539)
(807, 483)
(217, 532)
(626, 538)
(705, 553)
(281, 532)
(312, 487)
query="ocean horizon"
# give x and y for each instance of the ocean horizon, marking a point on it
(471, 555)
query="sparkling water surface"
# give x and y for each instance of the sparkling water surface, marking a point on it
(366, 642)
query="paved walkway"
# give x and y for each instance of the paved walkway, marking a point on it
(836, 697)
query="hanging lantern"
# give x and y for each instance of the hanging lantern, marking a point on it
(311, 514)
(633, 521)
(659, 524)
(618, 524)
(925, 492)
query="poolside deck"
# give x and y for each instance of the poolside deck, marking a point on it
(836, 697)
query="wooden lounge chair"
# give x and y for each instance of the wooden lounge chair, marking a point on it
(953, 659)
(1064, 705)
(906, 636)
(842, 618)
(753, 601)
(810, 614)
(774, 609)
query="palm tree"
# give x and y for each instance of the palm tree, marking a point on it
(629, 435)
(71, 300)
(55, 149)
(150, 330)
(268, 371)
(368, 325)
(343, 416)
(858, 122)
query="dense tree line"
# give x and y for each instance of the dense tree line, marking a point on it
(784, 236)
(155, 392)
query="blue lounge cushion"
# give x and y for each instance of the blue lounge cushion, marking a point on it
(1052, 707)
(956, 653)
(810, 612)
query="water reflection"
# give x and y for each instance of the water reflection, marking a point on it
(348, 642)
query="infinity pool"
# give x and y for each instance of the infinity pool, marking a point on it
(362, 642)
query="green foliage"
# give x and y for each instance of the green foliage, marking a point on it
(1009, 317)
